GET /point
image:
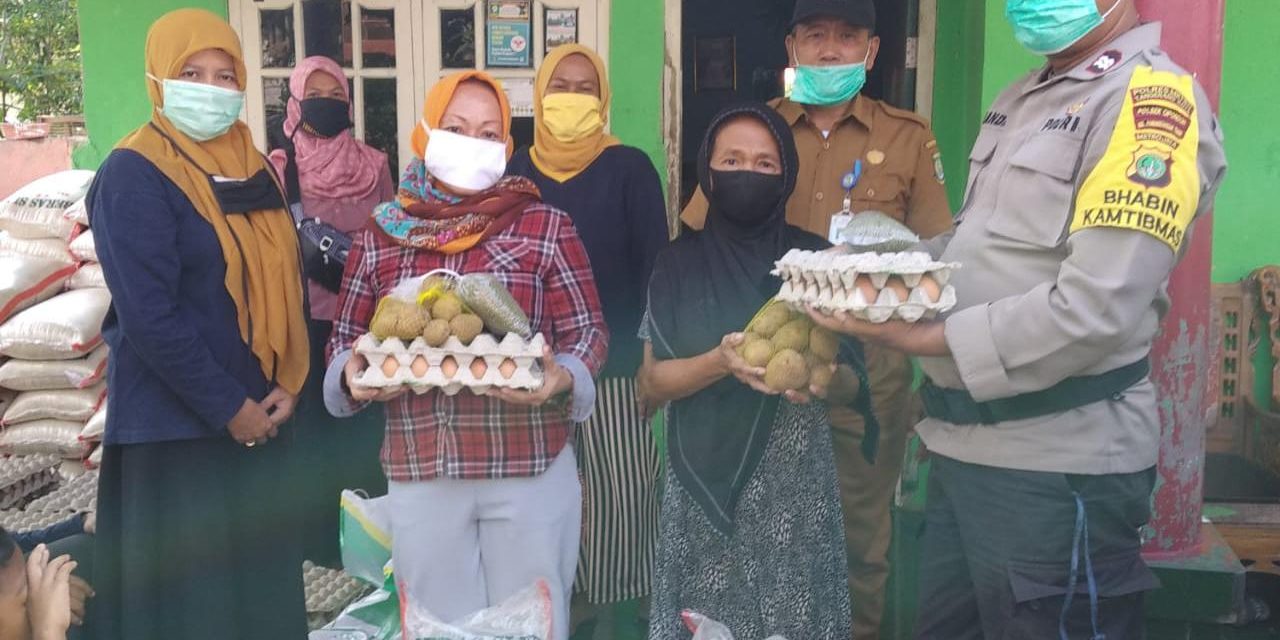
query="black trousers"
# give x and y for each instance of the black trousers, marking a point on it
(997, 554)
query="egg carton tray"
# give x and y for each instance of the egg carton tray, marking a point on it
(421, 366)
(17, 495)
(838, 282)
(29, 519)
(329, 591)
(73, 496)
(14, 469)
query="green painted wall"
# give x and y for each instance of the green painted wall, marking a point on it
(1245, 229)
(957, 99)
(112, 35)
(1006, 60)
(637, 37)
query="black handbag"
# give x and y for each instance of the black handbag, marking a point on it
(324, 246)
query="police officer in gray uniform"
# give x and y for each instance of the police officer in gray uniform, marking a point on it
(1084, 184)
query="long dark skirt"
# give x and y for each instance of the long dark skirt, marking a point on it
(330, 454)
(193, 543)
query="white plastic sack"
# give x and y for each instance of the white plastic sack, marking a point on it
(39, 210)
(47, 248)
(96, 427)
(83, 248)
(77, 405)
(39, 375)
(704, 628)
(78, 212)
(524, 616)
(88, 277)
(6, 398)
(64, 328)
(365, 527)
(25, 281)
(44, 437)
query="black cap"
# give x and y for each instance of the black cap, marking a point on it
(859, 13)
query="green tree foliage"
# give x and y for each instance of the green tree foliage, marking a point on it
(39, 58)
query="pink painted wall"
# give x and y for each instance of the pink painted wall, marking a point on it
(22, 161)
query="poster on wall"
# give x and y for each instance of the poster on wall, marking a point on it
(508, 29)
(715, 64)
(560, 26)
(519, 96)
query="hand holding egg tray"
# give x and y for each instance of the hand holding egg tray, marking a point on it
(875, 287)
(450, 332)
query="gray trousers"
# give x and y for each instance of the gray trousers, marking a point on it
(996, 560)
(460, 546)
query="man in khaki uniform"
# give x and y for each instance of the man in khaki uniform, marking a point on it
(1084, 183)
(901, 175)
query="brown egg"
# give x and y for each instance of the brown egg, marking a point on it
(507, 368)
(868, 288)
(449, 368)
(479, 367)
(390, 366)
(932, 290)
(419, 366)
(899, 287)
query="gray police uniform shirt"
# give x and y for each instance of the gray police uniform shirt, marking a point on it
(1082, 191)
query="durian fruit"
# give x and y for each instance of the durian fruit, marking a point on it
(787, 371)
(436, 333)
(758, 352)
(466, 327)
(447, 307)
(793, 335)
(771, 321)
(824, 345)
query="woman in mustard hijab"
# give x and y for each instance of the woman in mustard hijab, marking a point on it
(208, 352)
(613, 194)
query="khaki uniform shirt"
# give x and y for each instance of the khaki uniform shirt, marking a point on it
(901, 176)
(1082, 190)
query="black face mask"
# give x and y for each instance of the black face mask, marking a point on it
(325, 117)
(257, 193)
(745, 198)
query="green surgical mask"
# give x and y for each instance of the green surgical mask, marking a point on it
(1047, 27)
(202, 111)
(826, 86)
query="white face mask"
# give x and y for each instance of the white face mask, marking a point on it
(462, 161)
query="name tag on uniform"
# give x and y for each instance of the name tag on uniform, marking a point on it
(838, 223)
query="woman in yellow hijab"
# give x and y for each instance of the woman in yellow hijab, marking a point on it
(613, 194)
(208, 352)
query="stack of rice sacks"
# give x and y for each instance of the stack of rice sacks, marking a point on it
(52, 360)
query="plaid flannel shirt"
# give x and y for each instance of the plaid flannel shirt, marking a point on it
(543, 263)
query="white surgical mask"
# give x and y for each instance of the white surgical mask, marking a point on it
(462, 161)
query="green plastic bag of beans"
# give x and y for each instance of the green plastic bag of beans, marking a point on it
(484, 295)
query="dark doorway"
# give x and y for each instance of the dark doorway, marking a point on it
(734, 50)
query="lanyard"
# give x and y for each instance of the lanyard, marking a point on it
(850, 182)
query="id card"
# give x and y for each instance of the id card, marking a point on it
(838, 222)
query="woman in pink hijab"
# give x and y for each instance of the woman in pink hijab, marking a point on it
(339, 180)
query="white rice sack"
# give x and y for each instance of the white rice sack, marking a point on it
(88, 277)
(25, 281)
(44, 437)
(6, 398)
(95, 459)
(82, 248)
(46, 248)
(39, 210)
(40, 375)
(78, 212)
(76, 405)
(63, 328)
(96, 426)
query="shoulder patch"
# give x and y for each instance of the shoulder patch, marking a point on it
(1105, 62)
(1148, 179)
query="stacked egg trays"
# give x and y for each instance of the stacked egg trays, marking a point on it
(876, 287)
(484, 364)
